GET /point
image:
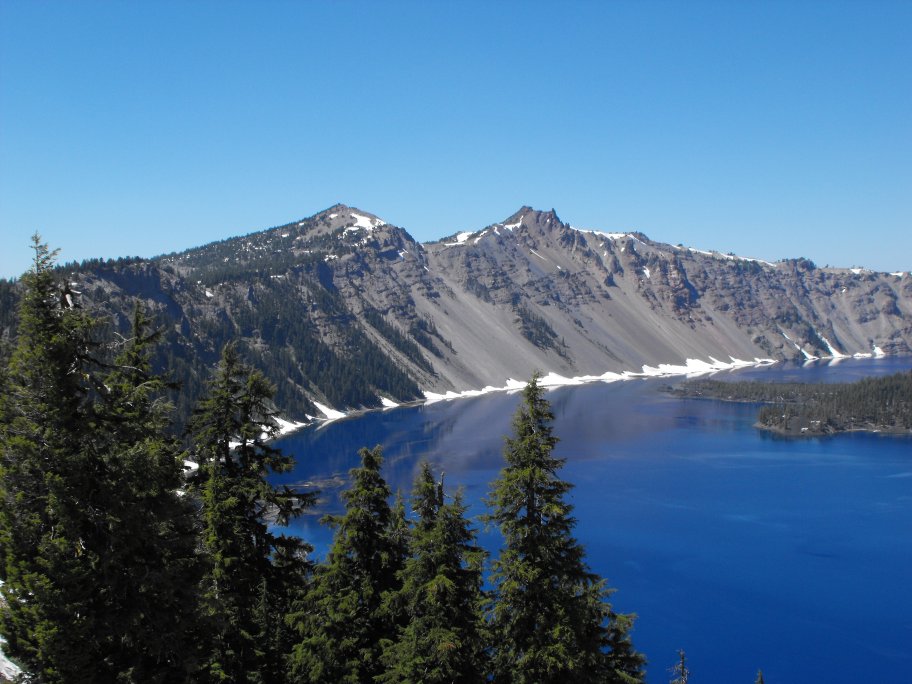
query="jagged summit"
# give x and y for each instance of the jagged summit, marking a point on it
(528, 216)
(342, 308)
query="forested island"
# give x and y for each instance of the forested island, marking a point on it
(808, 409)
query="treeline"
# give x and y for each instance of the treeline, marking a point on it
(882, 404)
(296, 329)
(128, 557)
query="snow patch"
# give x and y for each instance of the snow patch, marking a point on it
(538, 255)
(511, 226)
(856, 271)
(835, 354)
(388, 403)
(8, 669)
(878, 352)
(898, 274)
(554, 380)
(730, 257)
(364, 222)
(461, 239)
(604, 234)
(288, 426)
(646, 271)
(807, 356)
(331, 414)
(209, 293)
(691, 367)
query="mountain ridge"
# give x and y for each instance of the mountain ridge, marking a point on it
(345, 309)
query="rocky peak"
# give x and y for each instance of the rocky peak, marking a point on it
(529, 217)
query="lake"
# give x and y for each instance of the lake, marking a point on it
(745, 549)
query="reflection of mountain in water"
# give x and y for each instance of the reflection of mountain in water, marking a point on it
(721, 539)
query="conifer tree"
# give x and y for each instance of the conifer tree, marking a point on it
(251, 573)
(551, 621)
(442, 640)
(45, 561)
(759, 679)
(98, 550)
(680, 669)
(345, 615)
(148, 569)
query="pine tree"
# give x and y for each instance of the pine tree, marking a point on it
(146, 531)
(759, 679)
(680, 669)
(45, 562)
(442, 640)
(98, 549)
(551, 621)
(251, 573)
(345, 615)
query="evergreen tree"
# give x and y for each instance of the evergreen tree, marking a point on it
(759, 679)
(146, 531)
(251, 573)
(345, 615)
(45, 562)
(98, 550)
(680, 669)
(442, 640)
(551, 621)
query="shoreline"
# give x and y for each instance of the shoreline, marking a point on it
(692, 368)
(552, 380)
(804, 433)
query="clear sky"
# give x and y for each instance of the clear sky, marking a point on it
(769, 129)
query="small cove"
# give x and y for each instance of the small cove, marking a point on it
(747, 550)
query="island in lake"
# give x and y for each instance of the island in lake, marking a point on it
(808, 409)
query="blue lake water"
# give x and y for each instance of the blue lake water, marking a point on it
(747, 550)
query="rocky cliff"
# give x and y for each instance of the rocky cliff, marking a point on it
(345, 309)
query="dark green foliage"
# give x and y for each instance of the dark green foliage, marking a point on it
(401, 342)
(443, 637)
(538, 331)
(550, 620)
(803, 408)
(759, 679)
(98, 550)
(47, 590)
(147, 569)
(423, 331)
(251, 573)
(9, 304)
(343, 618)
(276, 299)
(293, 352)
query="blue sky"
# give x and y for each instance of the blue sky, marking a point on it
(769, 129)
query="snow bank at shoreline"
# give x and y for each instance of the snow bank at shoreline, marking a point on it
(690, 368)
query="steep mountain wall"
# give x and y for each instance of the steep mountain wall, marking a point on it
(343, 309)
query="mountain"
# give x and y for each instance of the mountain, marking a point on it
(343, 308)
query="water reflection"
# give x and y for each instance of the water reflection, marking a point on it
(746, 549)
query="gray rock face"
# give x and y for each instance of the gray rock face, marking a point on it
(530, 293)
